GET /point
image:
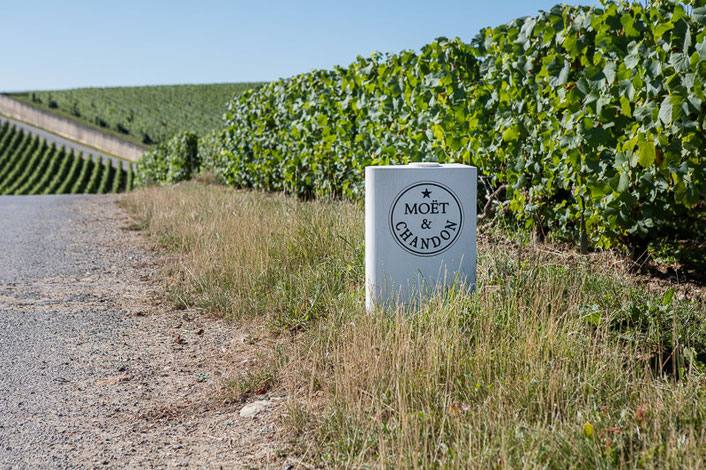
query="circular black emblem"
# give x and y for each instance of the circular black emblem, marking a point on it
(426, 218)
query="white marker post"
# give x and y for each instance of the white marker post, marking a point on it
(420, 230)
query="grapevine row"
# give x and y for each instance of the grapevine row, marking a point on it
(30, 165)
(588, 121)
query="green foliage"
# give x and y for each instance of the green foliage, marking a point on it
(130, 178)
(212, 150)
(65, 183)
(79, 185)
(590, 115)
(117, 180)
(40, 177)
(28, 165)
(595, 113)
(55, 179)
(16, 151)
(149, 114)
(314, 133)
(94, 179)
(173, 161)
(106, 175)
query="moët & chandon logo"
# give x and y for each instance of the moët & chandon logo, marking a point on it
(426, 218)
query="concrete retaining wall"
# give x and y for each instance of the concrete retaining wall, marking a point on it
(69, 129)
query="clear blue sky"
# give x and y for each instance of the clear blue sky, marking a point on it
(78, 43)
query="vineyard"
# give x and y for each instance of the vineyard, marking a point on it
(148, 114)
(29, 165)
(586, 123)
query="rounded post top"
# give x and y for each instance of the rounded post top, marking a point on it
(416, 167)
(425, 165)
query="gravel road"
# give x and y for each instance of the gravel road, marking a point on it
(70, 144)
(95, 371)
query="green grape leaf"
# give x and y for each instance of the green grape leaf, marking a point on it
(646, 152)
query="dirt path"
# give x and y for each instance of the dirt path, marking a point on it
(94, 373)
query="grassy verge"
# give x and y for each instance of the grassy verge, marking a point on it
(555, 360)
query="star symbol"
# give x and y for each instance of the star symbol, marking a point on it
(425, 193)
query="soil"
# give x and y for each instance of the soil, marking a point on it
(97, 371)
(657, 278)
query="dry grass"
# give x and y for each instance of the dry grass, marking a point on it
(554, 361)
(246, 254)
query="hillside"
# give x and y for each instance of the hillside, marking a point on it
(31, 165)
(146, 114)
